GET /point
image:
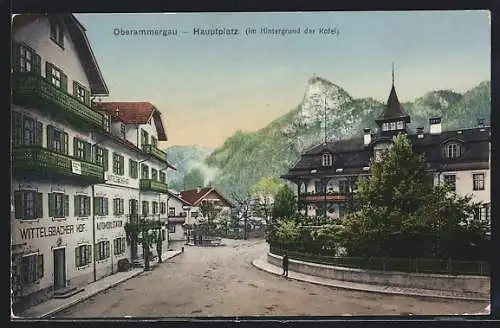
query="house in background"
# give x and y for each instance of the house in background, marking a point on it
(179, 217)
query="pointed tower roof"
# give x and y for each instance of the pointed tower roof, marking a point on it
(393, 109)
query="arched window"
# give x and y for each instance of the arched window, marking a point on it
(452, 150)
(327, 159)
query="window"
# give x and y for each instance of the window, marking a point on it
(118, 164)
(81, 93)
(144, 138)
(82, 205)
(101, 206)
(83, 255)
(392, 126)
(57, 32)
(385, 126)
(133, 206)
(327, 160)
(101, 250)
(451, 180)
(31, 268)
(194, 214)
(82, 150)
(400, 125)
(155, 207)
(144, 171)
(55, 76)
(344, 186)
(171, 211)
(26, 131)
(123, 131)
(163, 235)
(118, 206)
(25, 59)
(132, 169)
(101, 157)
(154, 142)
(484, 213)
(119, 246)
(163, 208)
(145, 208)
(171, 228)
(58, 205)
(452, 150)
(154, 174)
(478, 181)
(319, 187)
(57, 140)
(163, 177)
(28, 204)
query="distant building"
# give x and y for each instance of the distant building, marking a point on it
(326, 175)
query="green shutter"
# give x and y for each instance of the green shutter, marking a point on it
(87, 97)
(50, 136)
(106, 208)
(16, 53)
(88, 152)
(87, 205)
(52, 205)
(88, 249)
(123, 245)
(107, 249)
(64, 82)
(105, 158)
(76, 205)
(115, 207)
(18, 204)
(122, 165)
(96, 206)
(37, 64)
(39, 267)
(75, 89)
(48, 71)
(39, 133)
(66, 205)
(39, 205)
(77, 256)
(65, 144)
(75, 146)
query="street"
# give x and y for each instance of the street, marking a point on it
(221, 281)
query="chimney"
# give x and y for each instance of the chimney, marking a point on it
(420, 132)
(480, 122)
(435, 125)
(198, 190)
(368, 137)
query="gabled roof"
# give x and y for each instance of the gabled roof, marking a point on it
(194, 197)
(183, 201)
(134, 113)
(393, 108)
(76, 30)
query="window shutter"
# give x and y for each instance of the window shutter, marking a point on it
(66, 205)
(76, 205)
(96, 206)
(87, 97)
(77, 257)
(48, 71)
(105, 158)
(122, 165)
(18, 204)
(87, 205)
(64, 82)
(88, 249)
(16, 56)
(39, 268)
(39, 133)
(65, 143)
(75, 89)
(37, 64)
(39, 205)
(50, 136)
(88, 152)
(75, 146)
(115, 207)
(106, 208)
(107, 249)
(123, 244)
(52, 205)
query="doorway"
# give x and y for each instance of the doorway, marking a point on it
(59, 268)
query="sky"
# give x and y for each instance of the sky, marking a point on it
(209, 86)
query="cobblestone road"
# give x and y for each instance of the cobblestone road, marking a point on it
(222, 282)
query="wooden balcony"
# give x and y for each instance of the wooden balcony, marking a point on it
(153, 185)
(35, 160)
(155, 152)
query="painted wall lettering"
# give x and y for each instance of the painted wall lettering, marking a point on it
(109, 225)
(51, 231)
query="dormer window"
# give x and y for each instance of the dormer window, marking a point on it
(327, 159)
(452, 150)
(57, 32)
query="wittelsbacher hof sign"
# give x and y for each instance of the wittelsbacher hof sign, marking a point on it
(51, 231)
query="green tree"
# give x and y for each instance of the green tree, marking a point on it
(193, 179)
(264, 192)
(285, 204)
(145, 232)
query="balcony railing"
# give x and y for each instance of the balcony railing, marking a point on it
(41, 160)
(177, 215)
(155, 152)
(328, 196)
(29, 89)
(153, 185)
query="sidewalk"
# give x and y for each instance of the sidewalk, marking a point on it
(262, 264)
(54, 305)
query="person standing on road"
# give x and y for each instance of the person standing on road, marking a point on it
(285, 265)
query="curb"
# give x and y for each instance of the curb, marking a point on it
(389, 292)
(70, 304)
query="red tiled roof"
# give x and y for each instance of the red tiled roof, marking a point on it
(134, 113)
(194, 197)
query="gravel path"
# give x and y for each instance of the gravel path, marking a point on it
(221, 281)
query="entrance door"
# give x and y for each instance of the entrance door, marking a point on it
(59, 268)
